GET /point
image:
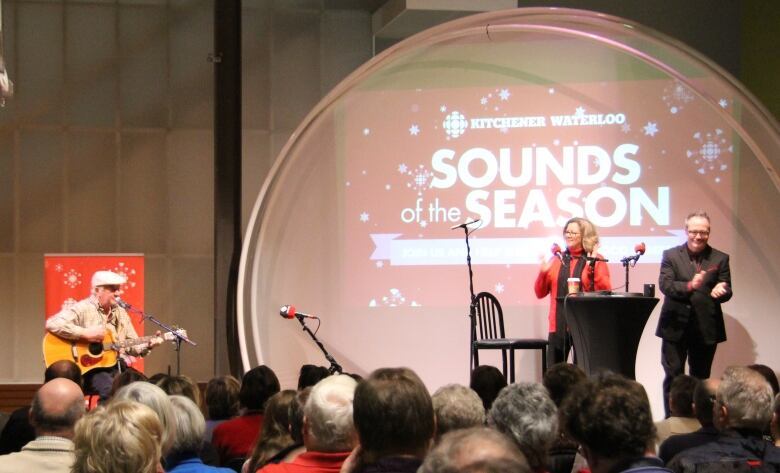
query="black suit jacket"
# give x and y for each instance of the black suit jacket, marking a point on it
(681, 306)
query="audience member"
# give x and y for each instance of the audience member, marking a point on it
(155, 398)
(393, 416)
(487, 381)
(457, 407)
(275, 432)
(703, 404)
(526, 414)
(475, 449)
(328, 428)
(682, 419)
(296, 428)
(311, 375)
(56, 407)
(559, 380)
(122, 379)
(743, 408)
(183, 385)
(774, 425)
(184, 456)
(221, 402)
(610, 417)
(234, 438)
(18, 430)
(120, 437)
(770, 376)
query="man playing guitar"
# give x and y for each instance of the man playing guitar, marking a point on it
(91, 320)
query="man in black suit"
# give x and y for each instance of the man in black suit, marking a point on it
(695, 279)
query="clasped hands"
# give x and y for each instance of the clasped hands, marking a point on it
(720, 289)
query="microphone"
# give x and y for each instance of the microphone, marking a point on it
(639, 250)
(465, 224)
(121, 303)
(289, 312)
(556, 250)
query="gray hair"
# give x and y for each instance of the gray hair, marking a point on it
(525, 412)
(190, 425)
(328, 415)
(457, 407)
(697, 213)
(477, 449)
(747, 396)
(152, 396)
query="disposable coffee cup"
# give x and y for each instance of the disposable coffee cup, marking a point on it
(574, 285)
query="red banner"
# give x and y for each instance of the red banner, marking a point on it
(68, 279)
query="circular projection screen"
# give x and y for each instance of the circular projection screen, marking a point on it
(521, 118)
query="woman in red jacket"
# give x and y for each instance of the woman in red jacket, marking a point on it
(582, 243)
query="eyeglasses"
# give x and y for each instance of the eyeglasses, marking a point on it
(111, 288)
(703, 233)
(571, 234)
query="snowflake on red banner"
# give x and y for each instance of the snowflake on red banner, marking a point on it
(421, 179)
(59, 267)
(677, 96)
(711, 153)
(68, 302)
(123, 270)
(72, 278)
(394, 299)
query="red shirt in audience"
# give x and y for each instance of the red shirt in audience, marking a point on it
(234, 438)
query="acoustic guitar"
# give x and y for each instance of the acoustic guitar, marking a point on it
(91, 355)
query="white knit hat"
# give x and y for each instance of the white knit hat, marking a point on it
(107, 278)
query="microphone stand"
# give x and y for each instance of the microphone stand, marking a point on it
(629, 261)
(178, 337)
(473, 305)
(334, 367)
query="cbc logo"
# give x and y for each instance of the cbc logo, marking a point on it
(455, 124)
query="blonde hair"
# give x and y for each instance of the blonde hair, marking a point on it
(154, 397)
(590, 238)
(123, 437)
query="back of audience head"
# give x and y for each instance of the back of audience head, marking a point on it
(526, 414)
(328, 424)
(311, 375)
(457, 407)
(157, 377)
(129, 375)
(181, 384)
(744, 400)
(774, 426)
(56, 407)
(681, 395)
(560, 379)
(475, 449)
(63, 369)
(274, 433)
(770, 376)
(487, 381)
(610, 417)
(704, 400)
(393, 415)
(295, 413)
(257, 385)
(152, 396)
(120, 437)
(190, 426)
(222, 397)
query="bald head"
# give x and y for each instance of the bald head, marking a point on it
(56, 407)
(63, 369)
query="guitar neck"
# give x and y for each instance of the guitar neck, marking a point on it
(128, 343)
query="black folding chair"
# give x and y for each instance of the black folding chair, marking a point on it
(487, 333)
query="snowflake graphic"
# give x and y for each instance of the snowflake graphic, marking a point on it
(366, 132)
(723, 103)
(421, 179)
(551, 91)
(414, 130)
(443, 108)
(364, 217)
(402, 168)
(72, 278)
(388, 187)
(579, 112)
(676, 96)
(504, 94)
(394, 299)
(650, 129)
(67, 303)
(127, 272)
(423, 223)
(625, 128)
(483, 100)
(711, 153)
(59, 267)
(499, 288)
